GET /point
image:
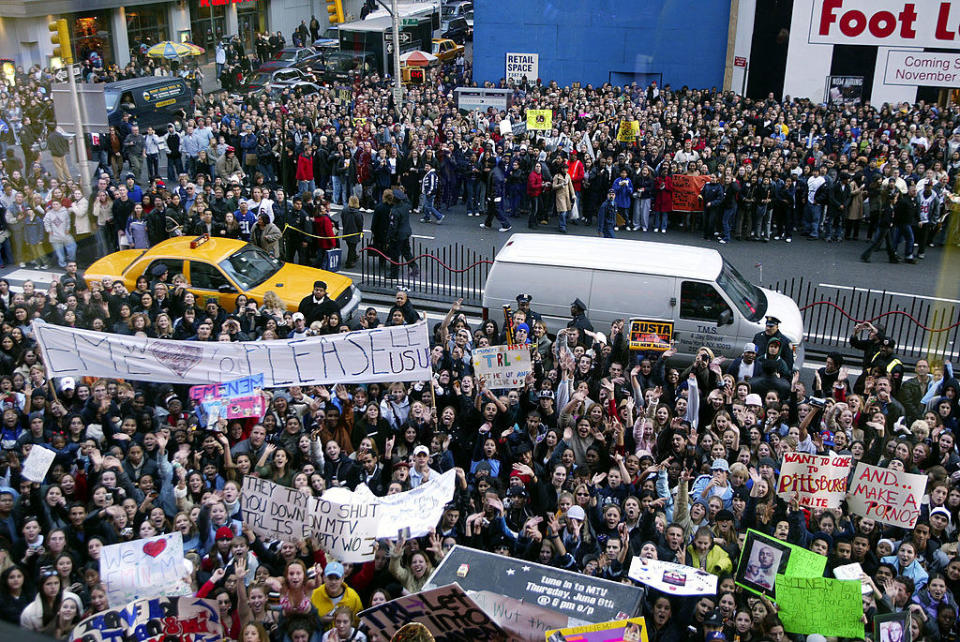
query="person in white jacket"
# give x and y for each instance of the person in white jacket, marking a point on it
(41, 614)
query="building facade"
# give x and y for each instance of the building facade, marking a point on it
(114, 29)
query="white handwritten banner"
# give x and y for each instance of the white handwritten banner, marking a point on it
(503, 366)
(820, 481)
(144, 568)
(888, 496)
(37, 463)
(675, 579)
(419, 509)
(346, 531)
(392, 353)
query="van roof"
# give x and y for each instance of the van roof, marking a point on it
(619, 255)
(134, 83)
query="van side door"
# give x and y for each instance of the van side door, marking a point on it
(702, 306)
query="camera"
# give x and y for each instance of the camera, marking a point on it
(819, 402)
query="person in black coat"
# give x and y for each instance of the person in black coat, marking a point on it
(351, 224)
(317, 306)
(398, 234)
(380, 224)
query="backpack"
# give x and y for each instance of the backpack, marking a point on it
(821, 197)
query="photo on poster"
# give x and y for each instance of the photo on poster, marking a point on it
(892, 627)
(762, 558)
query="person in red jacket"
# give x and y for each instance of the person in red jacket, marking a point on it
(663, 199)
(575, 171)
(305, 170)
(323, 227)
(534, 192)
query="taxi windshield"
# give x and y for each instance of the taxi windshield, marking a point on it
(250, 266)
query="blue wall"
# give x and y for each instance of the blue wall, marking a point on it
(585, 40)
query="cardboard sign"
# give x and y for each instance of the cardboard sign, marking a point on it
(520, 65)
(628, 131)
(671, 578)
(821, 481)
(820, 605)
(144, 568)
(166, 619)
(37, 463)
(503, 367)
(763, 558)
(391, 353)
(631, 630)
(506, 127)
(853, 572)
(447, 612)
(888, 496)
(540, 119)
(650, 335)
(528, 599)
(686, 192)
(347, 531)
(238, 387)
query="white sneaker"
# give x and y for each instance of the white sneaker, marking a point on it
(486, 227)
(506, 229)
(663, 231)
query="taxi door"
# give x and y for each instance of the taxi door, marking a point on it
(206, 280)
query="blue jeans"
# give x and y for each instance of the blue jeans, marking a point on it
(473, 197)
(303, 186)
(514, 196)
(427, 208)
(174, 169)
(729, 215)
(65, 251)
(562, 218)
(812, 215)
(904, 232)
(340, 192)
(659, 221)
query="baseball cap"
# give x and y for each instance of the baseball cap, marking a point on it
(768, 461)
(576, 512)
(940, 510)
(223, 533)
(720, 464)
(421, 450)
(750, 347)
(753, 399)
(68, 383)
(333, 568)
(298, 316)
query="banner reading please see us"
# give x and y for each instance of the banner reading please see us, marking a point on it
(396, 353)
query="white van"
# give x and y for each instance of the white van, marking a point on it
(709, 302)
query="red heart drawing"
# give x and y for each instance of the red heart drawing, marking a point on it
(155, 548)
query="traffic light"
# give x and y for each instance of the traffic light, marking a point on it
(60, 36)
(335, 9)
(416, 75)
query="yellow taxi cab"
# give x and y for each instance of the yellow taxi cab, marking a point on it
(446, 49)
(224, 268)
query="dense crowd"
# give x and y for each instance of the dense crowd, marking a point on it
(602, 455)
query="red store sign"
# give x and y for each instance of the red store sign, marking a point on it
(220, 3)
(910, 23)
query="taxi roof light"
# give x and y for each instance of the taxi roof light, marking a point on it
(200, 240)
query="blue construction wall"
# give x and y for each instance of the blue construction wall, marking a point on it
(585, 40)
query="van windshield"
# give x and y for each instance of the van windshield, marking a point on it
(749, 299)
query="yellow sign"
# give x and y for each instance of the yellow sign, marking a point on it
(539, 119)
(650, 335)
(359, 121)
(631, 630)
(164, 103)
(628, 131)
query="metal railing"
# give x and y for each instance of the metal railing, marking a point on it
(922, 326)
(442, 273)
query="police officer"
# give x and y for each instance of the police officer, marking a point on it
(523, 304)
(772, 329)
(578, 310)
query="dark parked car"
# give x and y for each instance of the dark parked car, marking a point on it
(342, 66)
(298, 57)
(455, 29)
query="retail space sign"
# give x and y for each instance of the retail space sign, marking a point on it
(922, 68)
(523, 64)
(890, 23)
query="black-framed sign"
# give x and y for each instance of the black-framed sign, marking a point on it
(762, 558)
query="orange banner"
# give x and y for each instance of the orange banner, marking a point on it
(686, 192)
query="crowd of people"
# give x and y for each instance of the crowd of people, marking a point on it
(602, 455)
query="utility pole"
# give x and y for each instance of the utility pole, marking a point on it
(395, 32)
(60, 36)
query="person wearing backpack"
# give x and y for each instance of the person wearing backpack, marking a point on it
(817, 197)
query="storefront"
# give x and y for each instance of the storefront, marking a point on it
(208, 25)
(251, 20)
(91, 35)
(146, 25)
